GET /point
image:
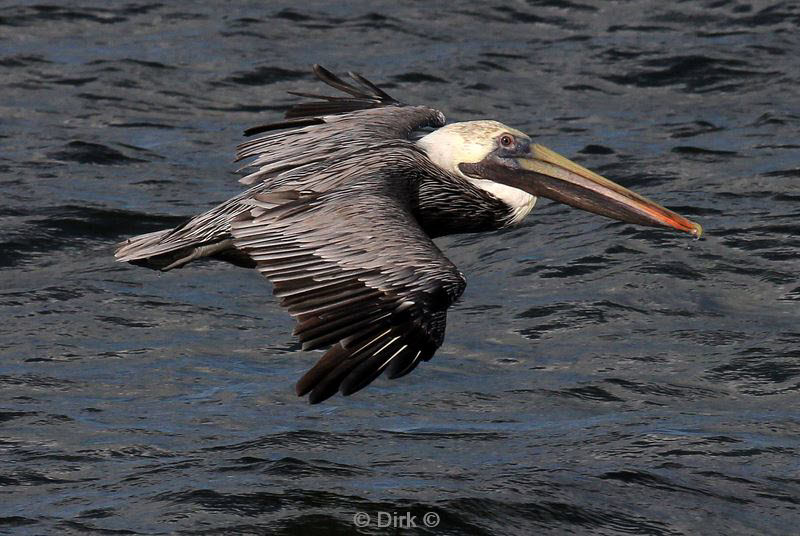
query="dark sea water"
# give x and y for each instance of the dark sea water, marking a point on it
(597, 377)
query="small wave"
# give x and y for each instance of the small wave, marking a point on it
(583, 87)
(291, 15)
(82, 81)
(17, 521)
(135, 63)
(142, 124)
(12, 415)
(761, 371)
(92, 153)
(124, 322)
(42, 14)
(696, 73)
(35, 478)
(651, 480)
(596, 149)
(548, 515)
(578, 267)
(701, 151)
(300, 439)
(790, 173)
(589, 392)
(293, 467)
(22, 60)
(669, 390)
(566, 317)
(59, 228)
(37, 381)
(676, 269)
(416, 78)
(691, 129)
(480, 86)
(264, 75)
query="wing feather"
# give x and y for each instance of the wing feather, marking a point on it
(378, 299)
(306, 153)
(330, 126)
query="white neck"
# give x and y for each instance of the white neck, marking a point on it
(520, 202)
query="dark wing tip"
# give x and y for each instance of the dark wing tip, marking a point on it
(376, 91)
(364, 90)
(397, 351)
(317, 373)
(363, 94)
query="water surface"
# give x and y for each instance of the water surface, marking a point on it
(597, 378)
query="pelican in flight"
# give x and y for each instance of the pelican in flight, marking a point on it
(346, 195)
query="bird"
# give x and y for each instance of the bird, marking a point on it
(344, 197)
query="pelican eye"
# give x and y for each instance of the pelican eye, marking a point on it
(506, 140)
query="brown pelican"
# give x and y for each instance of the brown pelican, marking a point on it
(347, 194)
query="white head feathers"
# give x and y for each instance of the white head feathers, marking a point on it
(471, 142)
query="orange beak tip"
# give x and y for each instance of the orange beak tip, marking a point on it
(696, 230)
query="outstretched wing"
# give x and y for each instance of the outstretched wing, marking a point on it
(331, 126)
(358, 274)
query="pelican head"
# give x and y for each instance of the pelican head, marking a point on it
(507, 164)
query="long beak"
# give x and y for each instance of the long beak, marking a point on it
(565, 181)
